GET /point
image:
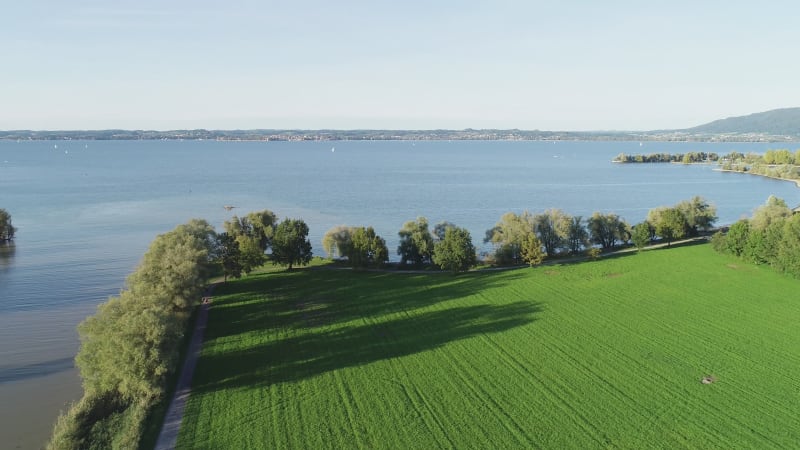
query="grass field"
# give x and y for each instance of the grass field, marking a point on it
(589, 355)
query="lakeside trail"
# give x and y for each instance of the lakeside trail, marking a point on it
(168, 437)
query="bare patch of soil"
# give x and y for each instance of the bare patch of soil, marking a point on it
(708, 379)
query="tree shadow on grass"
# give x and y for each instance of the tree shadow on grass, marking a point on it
(309, 299)
(318, 351)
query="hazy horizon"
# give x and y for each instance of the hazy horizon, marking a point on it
(582, 66)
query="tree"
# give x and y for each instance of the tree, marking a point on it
(671, 225)
(531, 250)
(577, 236)
(416, 242)
(228, 255)
(553, 228)
(455, 252)
(440, 229)
(508, 235)
(640, 235)
(290, 244)
(337, 241)
(774, 209)
(367, 248)
(698, 215)
(736, 239)
(606, 229)
(175, 268)
(6, 229)
(254, 234)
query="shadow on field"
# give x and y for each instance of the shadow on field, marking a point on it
(393, 321)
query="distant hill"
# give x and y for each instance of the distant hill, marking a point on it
(785, 121)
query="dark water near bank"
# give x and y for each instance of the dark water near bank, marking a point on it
(86, 212)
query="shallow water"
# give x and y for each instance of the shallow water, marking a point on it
(86, 212)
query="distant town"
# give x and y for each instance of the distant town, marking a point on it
(779, 125)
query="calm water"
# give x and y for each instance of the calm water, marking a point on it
(86, 212)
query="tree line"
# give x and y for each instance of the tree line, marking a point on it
(685, 158)
(771, 236)
(524, 238)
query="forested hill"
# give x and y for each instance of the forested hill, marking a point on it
(785, 122)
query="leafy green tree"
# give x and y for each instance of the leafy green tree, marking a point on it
(416, 242)
(788, 254)
(508, 235)
(229, 256)
(774, 209)
(440, 229)
(290, 244)
(531, 250)
(367, 248)
(606, 229)
(671, 225)
(640, 235)
(337, 241)
(698, 215)
(176, 266)
(577, 236)
(254, 234)
(736, 239)
(552, 227)
(455, 252)
(6, 229)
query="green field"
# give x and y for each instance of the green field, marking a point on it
(589, 355)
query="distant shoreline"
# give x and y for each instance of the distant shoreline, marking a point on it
(796, 182)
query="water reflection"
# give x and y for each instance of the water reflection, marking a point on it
(7, 250)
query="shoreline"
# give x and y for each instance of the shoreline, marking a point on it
(796, 182)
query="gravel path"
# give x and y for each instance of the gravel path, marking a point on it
(168, 437)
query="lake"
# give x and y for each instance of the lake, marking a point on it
(86, 212)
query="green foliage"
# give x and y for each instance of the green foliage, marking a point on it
(774, 209)
(508, 235)
(552, 227)
(577, 236)
(130, 345)
(736, 239)
(7, 230)
(337, 241)
(229, 256)
(607, 229)
(593, 253)
(290, 244)
(455, 252)
(640, 235)
(367, 249)
(440, 229)
(416, 242)
(531, 250)
(424, 361)
(671, 225)
(698, 215)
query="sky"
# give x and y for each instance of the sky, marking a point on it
(571, 65)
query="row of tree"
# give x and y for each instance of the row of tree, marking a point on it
(250, 241)
(771, 236)
(130, 345)
(774, 163)
(518, 238)
(7, 230)
(685, 158)
(449, 247)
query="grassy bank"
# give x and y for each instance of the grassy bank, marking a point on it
(597, 354)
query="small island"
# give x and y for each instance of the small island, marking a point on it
(781, 164)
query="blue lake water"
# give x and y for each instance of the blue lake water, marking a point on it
(86, 212)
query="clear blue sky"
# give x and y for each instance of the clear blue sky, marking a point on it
(578, 65)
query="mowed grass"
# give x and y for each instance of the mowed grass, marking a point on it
(589, 355)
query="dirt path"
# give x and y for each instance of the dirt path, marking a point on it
(168, 437)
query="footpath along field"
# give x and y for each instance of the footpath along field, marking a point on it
(596, 354)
